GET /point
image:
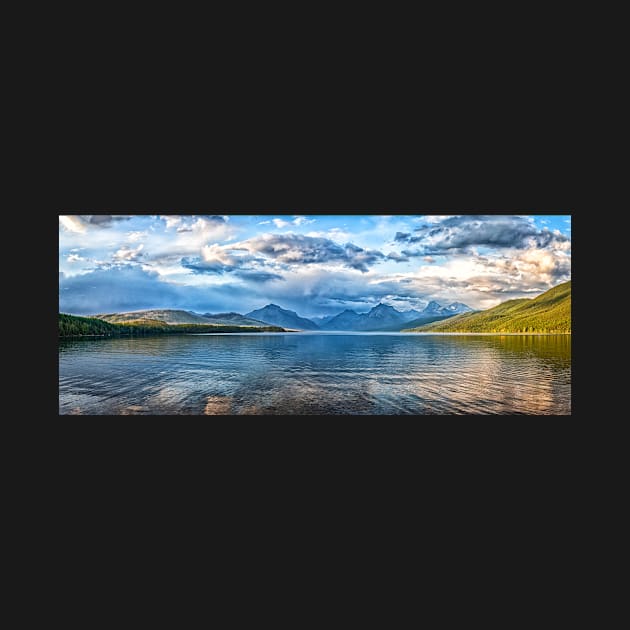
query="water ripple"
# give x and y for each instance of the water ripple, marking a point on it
(316, 374)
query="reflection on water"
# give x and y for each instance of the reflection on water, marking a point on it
(315, 373)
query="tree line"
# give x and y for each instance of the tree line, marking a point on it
(75, 326)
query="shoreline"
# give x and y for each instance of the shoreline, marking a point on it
(538, 334)
(317, 332)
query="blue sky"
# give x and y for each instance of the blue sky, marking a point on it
(312, 264)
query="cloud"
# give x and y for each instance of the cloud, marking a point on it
(81, 222)
(184, 223)
(171, 221)
(397, 257)
(127, 254)
(258, 276)
(218, 260)
(117, 289)
(458, 234)
(136, 236)
(335, 234)
(279, 223)
(197, 233)
(194, 262)
(298, 249)
(297, 220)
(127, 287)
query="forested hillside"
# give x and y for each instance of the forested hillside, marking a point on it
(550, 312)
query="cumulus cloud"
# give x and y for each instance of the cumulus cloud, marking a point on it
(478, 260)
(258, 275)
(219, 260)
(282, 223)
(299, 220)
(186, 223)
(192, 234)
(81, 222)
(300, 249)
(136, 235)
(455, 234)
(128, 254)
(397, 257)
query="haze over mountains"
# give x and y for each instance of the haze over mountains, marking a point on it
(549, 312)
(381, 317)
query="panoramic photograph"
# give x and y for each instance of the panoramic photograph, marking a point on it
(314, 314)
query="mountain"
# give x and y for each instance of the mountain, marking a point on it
(168, 316)
(408, 316)
(235, 319)
(174, 316)
(320, 321)
(433, 308)
(550, 312)
(346, 320)
(273, 314)
(388, 319)
(380, 317)
(76, 326)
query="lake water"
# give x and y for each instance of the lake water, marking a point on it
(317, 373)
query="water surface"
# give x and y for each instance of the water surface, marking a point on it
(316, 373)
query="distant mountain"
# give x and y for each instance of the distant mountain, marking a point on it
(346, 320)
(231, 318)
(174, 316)
(410, 315)
(273, 314)
(549, 312)
(168, 316)
(433, 308)
(387, 318)
(320, 321)
(380, 317)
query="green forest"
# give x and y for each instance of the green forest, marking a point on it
(75, 326)
(550, 312)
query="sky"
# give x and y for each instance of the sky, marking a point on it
(313, 264)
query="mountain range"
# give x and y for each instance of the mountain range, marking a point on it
(175, 316)
(273, 314)
(381, 317)
(549, 312)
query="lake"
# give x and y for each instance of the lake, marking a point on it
(316, 373)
